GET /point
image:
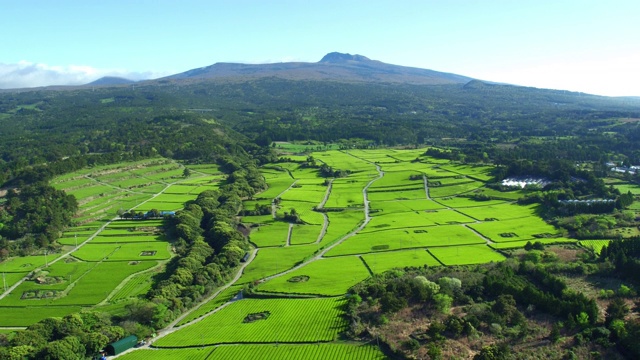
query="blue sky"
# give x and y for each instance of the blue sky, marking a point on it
(588, 46)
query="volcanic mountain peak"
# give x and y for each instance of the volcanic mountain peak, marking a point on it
(336, 57)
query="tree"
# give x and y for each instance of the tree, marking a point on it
(616, 310)
(443, 302)
(186, 173)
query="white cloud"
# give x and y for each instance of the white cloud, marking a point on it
(25, 74)
(617, 75)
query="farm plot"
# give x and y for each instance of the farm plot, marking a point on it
(380, 156)
(495, 194)
(26, 263)
(174, 198)
(481, 173)
(93, 191)
(332, 276)
(181, 189)
(595, 245)
(131, 183)
(465, 255)
(448, 181)
(390, 207)
(215, 303)
(276, 186)
(522, 243)
(205, 168)
(132, 238)
(274, 234)
(270, 261)
(263, 321)
(341, 223)
(444, 191)
(124, 252)
(396, 195)
(75, 283)
(308, 216)
(13, 277)
(398, 179)
(415, 219)
(465, 202)
(305, 193)
(50, 283)
(346, 195)
(134, 223)
(305, 234)
(260, 219)
(515, 229)
(29, 315)
(307, 176)
(625, 188)
(343, 161)
(446, 235)
(405, 155)
(160, 205)
(94, 286)
(383, 261)
(500, 212)
(74, 183)
(139, 284)
(320, 351)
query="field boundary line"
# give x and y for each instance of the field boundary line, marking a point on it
(438, 260)
(488, 240)
(365, 264)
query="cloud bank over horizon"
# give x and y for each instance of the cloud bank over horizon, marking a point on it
(26, 74)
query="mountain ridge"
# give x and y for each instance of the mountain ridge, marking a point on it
(334, 66)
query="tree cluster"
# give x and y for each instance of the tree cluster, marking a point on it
(75, 336)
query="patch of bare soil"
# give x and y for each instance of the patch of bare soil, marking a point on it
(566, 253)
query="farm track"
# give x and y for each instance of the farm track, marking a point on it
(288, 243)
(274, 207)
(489, 241)
(126, 280)
(325, 226)
(426, 187)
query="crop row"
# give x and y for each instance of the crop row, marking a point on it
(264, 321)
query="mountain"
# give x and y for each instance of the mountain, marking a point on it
(110, 80)
(333, 67)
